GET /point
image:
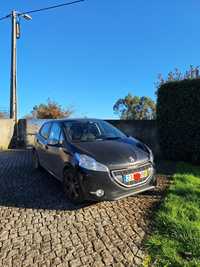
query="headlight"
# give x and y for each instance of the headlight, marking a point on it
(151, 156)
(89, 163)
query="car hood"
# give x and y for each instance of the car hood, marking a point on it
(115, 154)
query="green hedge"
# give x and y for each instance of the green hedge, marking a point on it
(178, 115)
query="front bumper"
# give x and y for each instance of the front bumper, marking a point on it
(93, 181)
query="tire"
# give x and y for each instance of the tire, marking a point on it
(36, 161)
(72, 186)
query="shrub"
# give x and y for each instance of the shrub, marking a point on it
(178, 116)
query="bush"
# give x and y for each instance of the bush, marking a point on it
(178, 116)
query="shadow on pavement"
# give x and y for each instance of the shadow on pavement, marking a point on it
(23, 186)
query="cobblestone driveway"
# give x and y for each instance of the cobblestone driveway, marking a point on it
(39, 228)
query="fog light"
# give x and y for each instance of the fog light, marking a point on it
(98, 193)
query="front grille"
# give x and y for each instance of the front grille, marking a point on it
(118, 175)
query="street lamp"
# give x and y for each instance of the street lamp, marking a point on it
(15, 17)
(26, 16)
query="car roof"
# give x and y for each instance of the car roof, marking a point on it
(74, 119)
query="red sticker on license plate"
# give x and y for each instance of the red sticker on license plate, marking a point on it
(136, 176)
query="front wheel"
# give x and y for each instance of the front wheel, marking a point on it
(72, 186)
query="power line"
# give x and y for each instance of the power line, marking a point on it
(51, 7)
(45, 8)
(5, 17)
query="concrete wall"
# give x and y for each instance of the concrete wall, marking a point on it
(27, 130)
(143, 130)
(6, 133)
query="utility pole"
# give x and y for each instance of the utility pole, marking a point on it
(13, 73)
(13, 78)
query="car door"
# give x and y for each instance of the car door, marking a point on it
(55, 150)
(41, 140)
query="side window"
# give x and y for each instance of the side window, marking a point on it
(55, 132)
(45, 130)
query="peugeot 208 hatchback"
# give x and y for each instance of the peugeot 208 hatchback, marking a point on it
(93, 159)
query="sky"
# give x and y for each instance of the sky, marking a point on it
(89, 55)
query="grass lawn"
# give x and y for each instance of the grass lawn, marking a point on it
(175, 240)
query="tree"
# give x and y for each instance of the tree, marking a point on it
(135, 108)
(51, 110)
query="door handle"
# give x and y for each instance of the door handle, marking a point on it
(46, 146)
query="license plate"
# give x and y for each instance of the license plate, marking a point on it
(136, 176)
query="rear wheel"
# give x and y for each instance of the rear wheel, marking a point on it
(72, 186)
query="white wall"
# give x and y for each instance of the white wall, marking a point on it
(6, 132)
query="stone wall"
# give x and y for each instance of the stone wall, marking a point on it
(143, 130)
(6, 133)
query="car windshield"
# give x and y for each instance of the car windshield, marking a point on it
(88, 131)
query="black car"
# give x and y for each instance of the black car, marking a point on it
(93, 159)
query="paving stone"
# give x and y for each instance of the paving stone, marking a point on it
(87, 260)
(107, 257)
(98, 264)
(75, 263)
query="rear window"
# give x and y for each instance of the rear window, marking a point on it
(44, 132)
